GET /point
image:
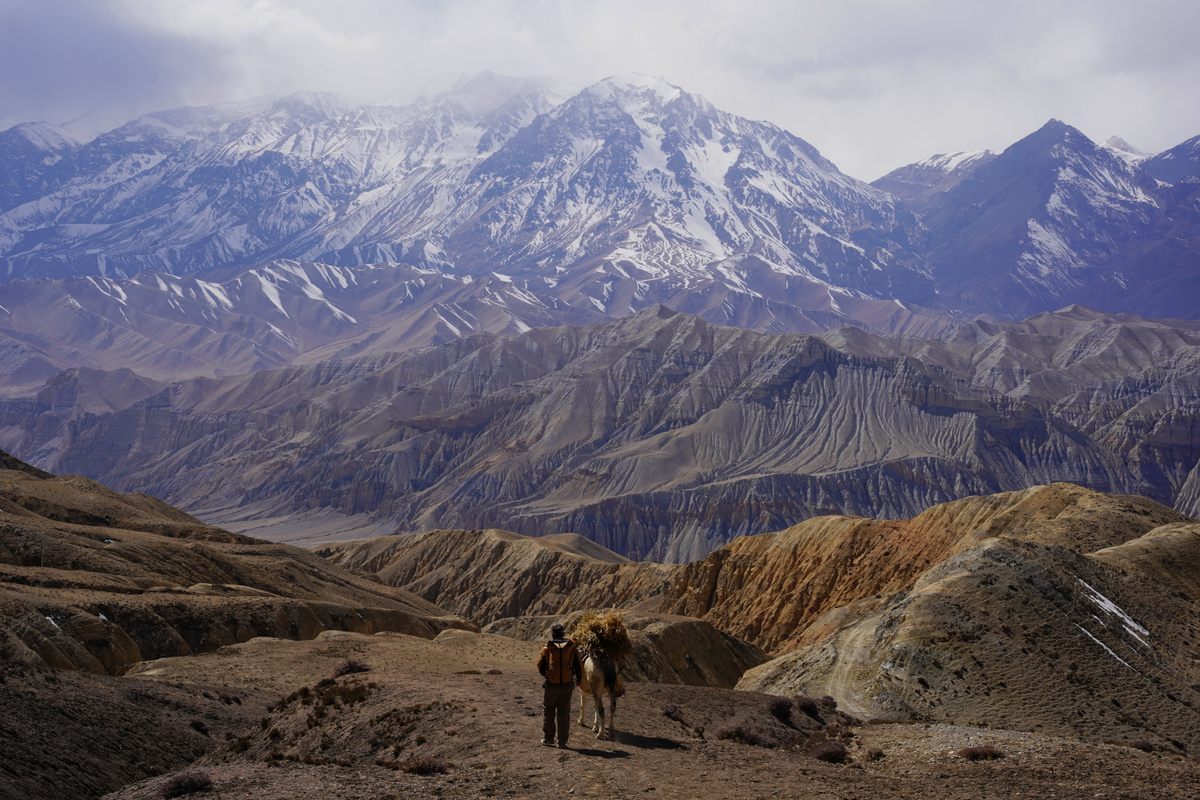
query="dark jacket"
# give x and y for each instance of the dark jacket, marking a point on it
(559, 663)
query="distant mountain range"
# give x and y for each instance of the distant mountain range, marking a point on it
(630, 193)
(659, 435)
(500, 307)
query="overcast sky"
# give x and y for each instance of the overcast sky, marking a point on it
(872, 84)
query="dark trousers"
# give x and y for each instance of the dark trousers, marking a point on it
(556, 706)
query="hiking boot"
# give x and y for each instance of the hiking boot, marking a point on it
(547, 743)
(563, 746)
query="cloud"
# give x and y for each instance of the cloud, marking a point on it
(62, 59)
(872, 84)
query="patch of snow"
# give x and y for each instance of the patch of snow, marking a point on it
(215, 295)
(1087, 633)
(1113, 610)
(272, 294)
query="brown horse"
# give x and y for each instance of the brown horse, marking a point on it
(599, 676)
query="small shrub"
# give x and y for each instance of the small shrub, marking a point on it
(494, 671)
(831, 752)
(745, 734)
(349, 667)
(199, 726)
(424, 765)
(187, 783)
(349, 695)
(781, 709)
(811, 706)
(672, 712)
(875, 754)
(1143, 745)
(469, 672)
(983, 752)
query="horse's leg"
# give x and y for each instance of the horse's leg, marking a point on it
(598, 720)
(612, 714)
(583, 690)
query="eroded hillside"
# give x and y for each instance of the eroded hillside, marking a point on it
(95, 580)
(1054, 608)
(658, 436)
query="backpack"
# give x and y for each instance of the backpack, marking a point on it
(561, 658)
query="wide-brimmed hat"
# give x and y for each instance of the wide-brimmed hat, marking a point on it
(557, 630)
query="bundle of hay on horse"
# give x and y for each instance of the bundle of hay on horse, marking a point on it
(603, 642)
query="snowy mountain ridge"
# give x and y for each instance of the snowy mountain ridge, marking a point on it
(628, 193)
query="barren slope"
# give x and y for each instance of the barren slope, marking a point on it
(491, 574)
(1062, 616)
(96, 580)
(658, 436)
(1054, 608)
(353, 737)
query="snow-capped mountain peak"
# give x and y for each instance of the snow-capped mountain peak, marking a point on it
(1123, 149)
(312, 106)
(633, 83)
(949, 162)
(628, 192)
(44, 135)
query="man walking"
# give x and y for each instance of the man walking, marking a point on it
(559, 665)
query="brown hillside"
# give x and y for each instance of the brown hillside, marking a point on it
(95, 580)
(769, 589)
(1055, 608)
(489, 575)
(766, 589)
(1025, 635)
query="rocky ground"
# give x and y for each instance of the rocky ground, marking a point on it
(469, 703)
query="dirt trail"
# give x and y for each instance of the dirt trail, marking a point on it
(473, 702)
(853, 648)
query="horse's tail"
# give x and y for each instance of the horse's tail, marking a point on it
(609, 667)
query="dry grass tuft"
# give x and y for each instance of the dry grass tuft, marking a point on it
(831, 752)
(187, 783)
(746, 734)
(781, 709)
(349, 667)
(811, 706)
(983, 752)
